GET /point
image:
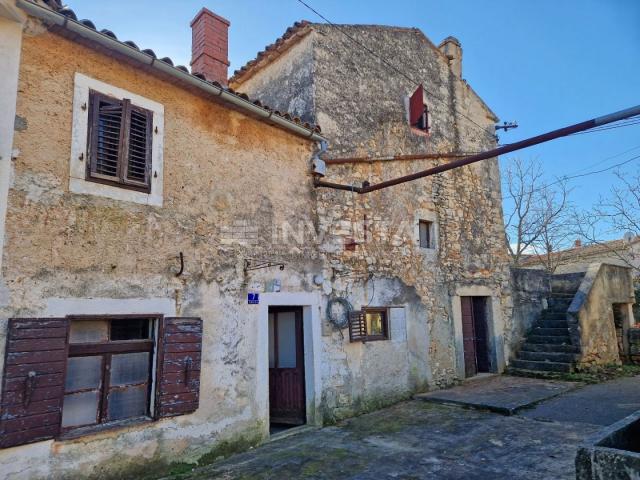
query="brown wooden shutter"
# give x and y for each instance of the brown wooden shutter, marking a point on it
(33, 380)
(137, 170)
(178, 390)
(357, 326)
(105, 136)
(416, 106)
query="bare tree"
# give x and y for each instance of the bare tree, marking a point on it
(614, 216)
(536, 223)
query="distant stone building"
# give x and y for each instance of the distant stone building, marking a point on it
(173, 283)
(579, 256)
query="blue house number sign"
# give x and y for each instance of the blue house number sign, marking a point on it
(253, 298)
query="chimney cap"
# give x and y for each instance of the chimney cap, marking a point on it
(206, 11)
(451, 39)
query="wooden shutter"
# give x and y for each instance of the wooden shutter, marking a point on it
(416, 106)
(105, 136)
(178, 390)
(33, 381)
(138, 166)
(357, 326)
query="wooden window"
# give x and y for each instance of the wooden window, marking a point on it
(109, 370)
(119, 143)
(425, 230)
(84, 373)
(418, 110)
(369, 324)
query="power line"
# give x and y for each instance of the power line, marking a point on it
(389, 64)
(571, 177)
(627, 123)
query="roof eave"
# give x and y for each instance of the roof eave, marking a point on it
(55, 18)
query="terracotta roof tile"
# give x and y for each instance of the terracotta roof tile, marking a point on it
(68, 12)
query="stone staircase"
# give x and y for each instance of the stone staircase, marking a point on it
(548, 347)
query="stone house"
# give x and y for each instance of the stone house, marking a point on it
(173, 282)
(579, 257)
(437, 242)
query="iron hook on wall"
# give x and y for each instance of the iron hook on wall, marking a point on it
(181, 265)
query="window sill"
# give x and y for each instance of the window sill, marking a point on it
(104, 427)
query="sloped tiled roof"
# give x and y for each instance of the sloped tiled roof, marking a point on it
(583, 251)
(56, 6)
(290, 37)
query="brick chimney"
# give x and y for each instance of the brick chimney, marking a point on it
(577, 243)
(210, 46)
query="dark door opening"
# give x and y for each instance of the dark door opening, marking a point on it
(474, 335)
(287, 401)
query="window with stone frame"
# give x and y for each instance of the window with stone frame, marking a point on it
(426, 234)
(119, 143)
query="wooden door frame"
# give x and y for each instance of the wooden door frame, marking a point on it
(300, 363)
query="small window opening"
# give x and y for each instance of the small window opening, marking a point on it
(425, 229)
(418, 110)
(369, 324)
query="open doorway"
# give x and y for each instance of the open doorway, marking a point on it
(475, 335)
(287, 400)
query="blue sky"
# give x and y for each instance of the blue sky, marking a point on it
(543, 63)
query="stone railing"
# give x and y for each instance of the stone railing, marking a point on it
(591, 317)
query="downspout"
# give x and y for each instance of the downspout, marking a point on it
(81, 30)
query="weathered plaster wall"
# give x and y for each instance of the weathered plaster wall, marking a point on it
(227, 177)
(591, 313)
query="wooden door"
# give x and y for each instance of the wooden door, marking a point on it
(468, 337)
(286, 366)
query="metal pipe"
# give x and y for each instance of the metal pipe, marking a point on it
(78, 28)
(418, 156)
(512, 147)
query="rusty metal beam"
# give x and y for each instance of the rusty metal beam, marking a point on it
(418, 156)
(512, 147)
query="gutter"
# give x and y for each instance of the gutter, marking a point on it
(49, 16)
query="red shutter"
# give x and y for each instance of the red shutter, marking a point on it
(357, 326)
(33, 381)
(416, 106)
(178, 390)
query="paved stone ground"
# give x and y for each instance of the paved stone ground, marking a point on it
(423, 440)
(601, 404)
(500, 393)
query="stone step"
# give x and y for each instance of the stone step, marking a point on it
(559, 302)
(553, 314)
(547, 356)
(550, 332)
(542, 366)
(553, 339)
(546, 347)
(549, 323)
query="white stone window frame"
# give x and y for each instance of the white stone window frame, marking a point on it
(429, 216)
(79, 155)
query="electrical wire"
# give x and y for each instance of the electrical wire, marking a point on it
(571, 177)
(625, 123)
(390, 65)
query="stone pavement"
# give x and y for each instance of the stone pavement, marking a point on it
(423, 440)
(500, 393)
(601, 404)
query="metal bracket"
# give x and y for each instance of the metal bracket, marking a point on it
(254, 264)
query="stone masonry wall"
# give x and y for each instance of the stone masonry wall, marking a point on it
(360, 103)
